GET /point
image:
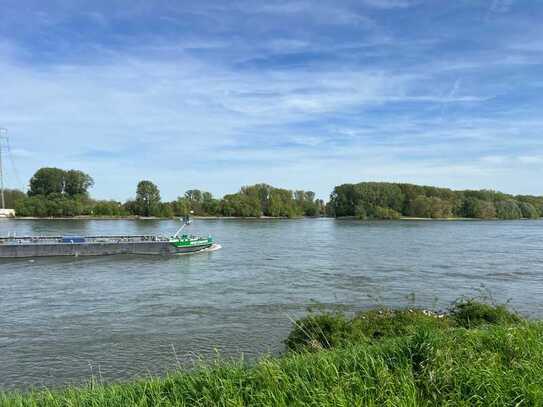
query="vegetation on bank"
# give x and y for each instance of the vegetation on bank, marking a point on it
(475, 354)
(382, 200)
(58, 193)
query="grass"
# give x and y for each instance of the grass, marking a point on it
(475, 354)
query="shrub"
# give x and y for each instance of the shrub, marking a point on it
(316, 332)
(379, 212)
(469, 313)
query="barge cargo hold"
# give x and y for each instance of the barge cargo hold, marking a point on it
(32, 246)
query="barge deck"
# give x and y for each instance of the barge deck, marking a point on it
(46, 246)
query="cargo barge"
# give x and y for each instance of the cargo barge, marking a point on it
(47, 246)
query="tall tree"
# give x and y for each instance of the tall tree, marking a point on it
(194, 195)
(77, 183)
(147, 199)
(47, 181)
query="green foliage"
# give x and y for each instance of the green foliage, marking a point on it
(12, 196)
(378, 212)
(181, 207)
(477, 208)
(421, 207)
(77, 183)
(528, 210)
(370, 199)
(326, 330)
(317, 332)
(108, 208)
(241, 205)
(416, 359)
(55, 192)
(535, 201)
(265, 200)
(469, 313)
(367, 199)
(48, 181)
(508, 210)
(147, 199)
(54, 205)
(165, 210)
(360, 212)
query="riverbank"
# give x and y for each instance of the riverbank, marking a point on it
(473, 354)
(406, 218)
(134, 217)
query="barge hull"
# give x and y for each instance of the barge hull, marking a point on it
(94, 249)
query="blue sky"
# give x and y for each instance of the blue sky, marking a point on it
(298, 94)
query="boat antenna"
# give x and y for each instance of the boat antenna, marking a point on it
(3, 137)
(186, 221)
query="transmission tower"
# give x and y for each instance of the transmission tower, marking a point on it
(3, 139)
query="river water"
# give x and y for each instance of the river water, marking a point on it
(65, 319)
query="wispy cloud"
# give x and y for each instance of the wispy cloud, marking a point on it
(391, 4)
(299, 94)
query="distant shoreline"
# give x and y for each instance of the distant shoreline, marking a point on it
(83, 217)
(403, 218)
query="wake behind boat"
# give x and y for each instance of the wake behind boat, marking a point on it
(46, 246)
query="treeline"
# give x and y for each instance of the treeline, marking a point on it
(55, 192)
(382, 200)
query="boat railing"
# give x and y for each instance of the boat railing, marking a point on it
(82, 239)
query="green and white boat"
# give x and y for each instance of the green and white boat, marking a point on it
(51, 246)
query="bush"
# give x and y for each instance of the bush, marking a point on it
(384, 213)
(387, 323)
(328, 330)
(317, 332)
(469, 313)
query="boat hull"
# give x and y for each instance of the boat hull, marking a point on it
(95, 249)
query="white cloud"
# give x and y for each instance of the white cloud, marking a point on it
(391, 4)
(328, 14)
(501, 6)
(160, 110)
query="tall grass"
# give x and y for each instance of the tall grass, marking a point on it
(378, 358)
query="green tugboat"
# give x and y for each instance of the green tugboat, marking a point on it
(47, 246)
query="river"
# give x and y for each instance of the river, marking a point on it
(65, 319)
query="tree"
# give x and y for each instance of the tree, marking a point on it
(508, 210)
(12, 196)
(47, 181)
(107, 208)
(528, 210)
(181, 207)
(77, 183)
(421, 207)
(210, 205)
(147, 199)
(194, 195)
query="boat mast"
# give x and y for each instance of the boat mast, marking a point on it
(3, 136)
(186, 221)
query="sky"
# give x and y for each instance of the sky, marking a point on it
(298, 94)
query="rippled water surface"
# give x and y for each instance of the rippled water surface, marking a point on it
(62, 320)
